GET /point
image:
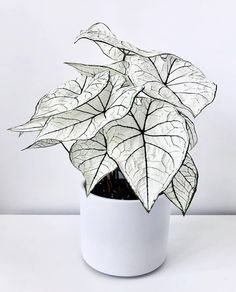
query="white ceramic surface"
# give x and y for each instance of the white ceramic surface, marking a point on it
(120, 238)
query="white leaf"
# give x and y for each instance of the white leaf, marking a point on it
(91, 158)
(43, 143)
(193, 138)
(32, 125)
(109, 44)
(84, 122)
(149, 145)
(70, 95)
(91, 70)
(182, 188)
(172, 79)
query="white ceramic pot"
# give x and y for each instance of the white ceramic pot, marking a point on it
(119, 238)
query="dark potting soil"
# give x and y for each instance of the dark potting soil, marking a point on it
(114, 186)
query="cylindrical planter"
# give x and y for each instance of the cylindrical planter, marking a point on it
(119, 238)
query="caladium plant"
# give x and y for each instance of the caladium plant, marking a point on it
(132, 114)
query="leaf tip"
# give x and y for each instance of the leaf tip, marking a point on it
(77, 38)
(12, 129)
(26, 148)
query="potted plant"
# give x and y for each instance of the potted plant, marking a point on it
(130, 125)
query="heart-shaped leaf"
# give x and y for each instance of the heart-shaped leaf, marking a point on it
(70, 95)
(91, 158)
(118, 67)
(109, 44)
(149, 145)
(84, 122)
(172, 79)
(182, 188)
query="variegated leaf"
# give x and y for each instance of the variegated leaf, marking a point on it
(173, 80)
(43, 144)
(84, 122)
(91, 70)
(193, 138)
(70, 95)
(109, 44)
(182, 188)
(149, 145)
(33, 125)
(91, 158)
(113, 69)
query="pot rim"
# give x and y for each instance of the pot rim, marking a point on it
(117, 201)
(111, 199)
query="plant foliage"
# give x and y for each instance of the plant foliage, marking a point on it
(131, 115)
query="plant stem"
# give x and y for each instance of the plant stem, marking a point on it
(63, 145)
(109, 183)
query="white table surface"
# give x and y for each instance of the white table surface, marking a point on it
(41, 253)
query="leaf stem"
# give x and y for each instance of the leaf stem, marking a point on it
(63, 145)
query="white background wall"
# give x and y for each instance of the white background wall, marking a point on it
(37, 36)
